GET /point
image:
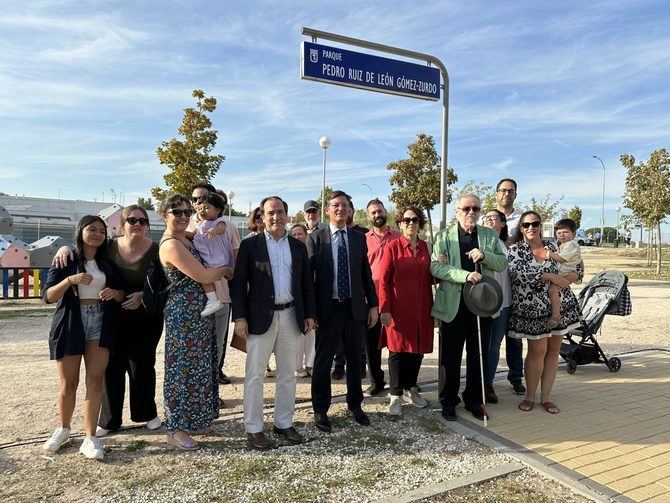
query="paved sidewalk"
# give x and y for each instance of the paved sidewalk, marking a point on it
(613, 428)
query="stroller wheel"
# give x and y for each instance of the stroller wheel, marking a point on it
(614, 364)
(572, 366)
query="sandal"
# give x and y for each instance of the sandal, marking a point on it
(526, 405)
(187, 444)
(551, 407)
(553, 322)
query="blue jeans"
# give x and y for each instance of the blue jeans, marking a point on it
(91, 319)
(513, 350)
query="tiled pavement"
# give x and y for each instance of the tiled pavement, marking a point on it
(613, 428)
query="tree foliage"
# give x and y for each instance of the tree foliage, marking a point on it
(416, 180)
(647, 191)
(190, 160)
(146, 204)
(575, 214)
(548, 209)
(327, 190)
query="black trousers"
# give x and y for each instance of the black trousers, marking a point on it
(226, 325)
(403, 371)
(341, 327)
(462, 331)
(374, 355)
(136, 357)
(341, 358)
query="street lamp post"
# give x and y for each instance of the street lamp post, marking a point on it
(325, 142)
(617, 209)
(230, 195)
(602, 211)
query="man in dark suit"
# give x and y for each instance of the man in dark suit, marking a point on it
(345, 302)
(273, 306)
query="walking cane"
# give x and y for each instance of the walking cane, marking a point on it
(481, 361)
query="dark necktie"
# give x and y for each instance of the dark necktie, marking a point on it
(343, 292)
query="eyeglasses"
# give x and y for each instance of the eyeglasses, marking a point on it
(258, 217)
(534, 224)
(506, 191)
(142, 221)
(413, 220)
(468, 209)
(490, 218)
(181, 213)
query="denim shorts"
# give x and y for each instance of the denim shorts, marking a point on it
(91, 319)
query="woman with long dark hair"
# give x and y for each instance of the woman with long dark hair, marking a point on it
(532, 271)
(138, 332)
(88, 291)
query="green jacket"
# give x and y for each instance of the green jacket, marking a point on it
(451, 276)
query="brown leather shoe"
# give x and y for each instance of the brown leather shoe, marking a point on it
(258, 441)
(290, 434)
(490, 394)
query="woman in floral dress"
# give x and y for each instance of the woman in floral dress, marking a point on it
(531, 272)
(190, 390)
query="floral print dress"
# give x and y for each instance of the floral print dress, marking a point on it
(531, 308)
(190, 389)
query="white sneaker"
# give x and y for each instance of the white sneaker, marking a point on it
(395, 407)
(101, 432)
(57, 439)
(415, 398)
(91, 448)
(211, 307)
(301, 373)
(155, 423)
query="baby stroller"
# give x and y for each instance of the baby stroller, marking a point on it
(606, 293)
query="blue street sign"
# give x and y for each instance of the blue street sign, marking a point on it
(365, 71)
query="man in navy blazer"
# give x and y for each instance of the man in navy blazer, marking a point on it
(345, 303)
(272, 295)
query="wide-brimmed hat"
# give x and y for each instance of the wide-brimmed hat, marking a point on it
(483, 298)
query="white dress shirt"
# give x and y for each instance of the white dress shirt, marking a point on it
(279, 252)
(334, 243)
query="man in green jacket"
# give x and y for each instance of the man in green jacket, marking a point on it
(455, 253)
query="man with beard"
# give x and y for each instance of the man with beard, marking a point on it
(377, 238)
(505, 197)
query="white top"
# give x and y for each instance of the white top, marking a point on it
(513, 223)
(572, 252)
(334, 242)
(280, 263)
(502, 277)
(99, 282)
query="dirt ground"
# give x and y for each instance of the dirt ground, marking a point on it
(29, 381)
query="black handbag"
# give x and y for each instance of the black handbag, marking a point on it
(156, 289)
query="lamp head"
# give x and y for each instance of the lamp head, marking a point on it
(325, 142)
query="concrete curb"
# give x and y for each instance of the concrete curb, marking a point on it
(449, 485)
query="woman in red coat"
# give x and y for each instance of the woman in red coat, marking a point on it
(405, 300)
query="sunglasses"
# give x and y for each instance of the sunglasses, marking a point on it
(142, 221)
(468, 209)
(534, 224)
(181, 213)
(413, 220)
(311, 211)
(258, 217)
(195, 199)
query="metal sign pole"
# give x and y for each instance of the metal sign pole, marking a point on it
(316, 34)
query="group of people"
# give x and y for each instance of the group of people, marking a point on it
(311, 295)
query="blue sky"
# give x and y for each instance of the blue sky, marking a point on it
(88, 90)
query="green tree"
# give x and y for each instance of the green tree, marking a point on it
(190, 160)
(327, 190)
(574, 214)
(547, 209)
(416, 180)
(147, 203)
(647, 192)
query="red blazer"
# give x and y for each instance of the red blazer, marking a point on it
(405, 292)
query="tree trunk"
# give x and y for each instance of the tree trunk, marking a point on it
(659, 249)
(650, 238)
(430, 227)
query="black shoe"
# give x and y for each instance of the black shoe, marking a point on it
(519, 388)
(338, 372)
(490, 394)
(322, 422)
(449, 412)
(374, 389)
(477, 411)
(223, 378)
(360, 417)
